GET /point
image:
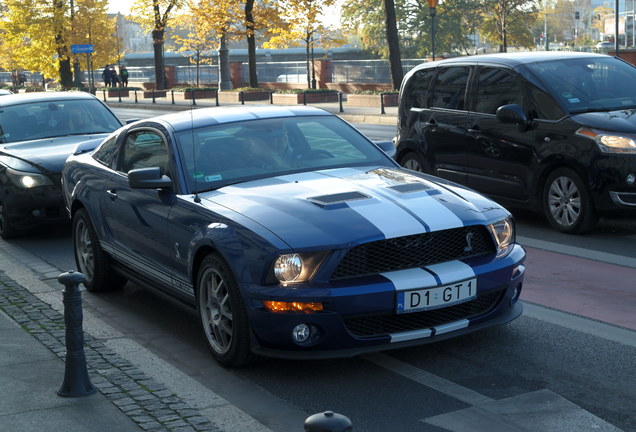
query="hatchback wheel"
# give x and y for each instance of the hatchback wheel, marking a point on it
(6, 229)
(567, 202)
(90, 258)
(222, 312)
(413, 162)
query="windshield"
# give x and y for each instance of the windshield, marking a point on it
(220, 155)
(589, 84)
(50, 119)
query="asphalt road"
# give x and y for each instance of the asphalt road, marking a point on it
(550, 370)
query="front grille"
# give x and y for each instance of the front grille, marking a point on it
(413, 251)
(379, 325)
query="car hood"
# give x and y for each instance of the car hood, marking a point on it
(50, 153)
(618, 121)
(344, 207)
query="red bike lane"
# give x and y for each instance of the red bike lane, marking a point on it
(593, 289)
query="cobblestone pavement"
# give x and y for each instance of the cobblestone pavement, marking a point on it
(147, 402)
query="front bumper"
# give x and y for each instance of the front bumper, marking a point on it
(26, 208)
(360, 317)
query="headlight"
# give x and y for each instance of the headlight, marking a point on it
(610, 142)
(297, 267)
(28, 180)
(504, 234)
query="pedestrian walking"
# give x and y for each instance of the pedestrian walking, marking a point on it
(106, 76)
(123, 74)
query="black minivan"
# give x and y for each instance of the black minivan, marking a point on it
(553, 131)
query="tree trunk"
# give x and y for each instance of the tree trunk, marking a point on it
(251, 43)
(157, 44)
(393, 43)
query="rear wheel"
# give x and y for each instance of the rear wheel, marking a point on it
(90, 258)
(413, 161)
(222, 313)
(567, 202)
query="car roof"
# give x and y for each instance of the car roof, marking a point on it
(195, 118)
(21, 98)
(513, 59)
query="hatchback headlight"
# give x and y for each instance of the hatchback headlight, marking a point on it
(297, 267)
(28, 180)
(610, 142)
(503, 232)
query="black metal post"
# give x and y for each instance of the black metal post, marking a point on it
(328, 421)
(172, 95)
(194, 101)
(104, 95)
(153, 96)
(382, 103)
(119, 95)
(216, 97)
(76, 381)
(340, 102)
(242, 97)
(304, 98)
(433, 32)
(271, 98)
(135, 95)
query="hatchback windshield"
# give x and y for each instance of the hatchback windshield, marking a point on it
(589, 84)
(50, 119)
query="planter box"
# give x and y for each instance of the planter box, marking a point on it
(299, 98)
(198, 94)
(148, 94)
(372, 100)
(231, 96)
(116, 93)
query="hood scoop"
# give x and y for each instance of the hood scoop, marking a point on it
(339, 198)
(410, 187)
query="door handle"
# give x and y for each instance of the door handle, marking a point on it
(112, 194)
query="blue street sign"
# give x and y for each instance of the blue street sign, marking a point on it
(84, 48)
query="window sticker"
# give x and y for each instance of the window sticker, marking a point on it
(571, 98)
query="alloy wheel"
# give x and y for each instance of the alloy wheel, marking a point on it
(216, 311)
(564, 201)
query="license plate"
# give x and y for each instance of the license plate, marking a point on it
(438, 297)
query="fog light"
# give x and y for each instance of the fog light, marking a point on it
(516, 292)
(301, 333)
(631, 178)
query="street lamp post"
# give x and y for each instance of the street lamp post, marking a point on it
(432, 4)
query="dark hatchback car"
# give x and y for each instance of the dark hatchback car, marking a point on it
(38, 131)
(548, 131)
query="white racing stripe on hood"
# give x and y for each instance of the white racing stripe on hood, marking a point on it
(434, 213)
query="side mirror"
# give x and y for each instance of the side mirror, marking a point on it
(513, 113)
(148, 178)
(387, 147)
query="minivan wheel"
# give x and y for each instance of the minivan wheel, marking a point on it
(567, 202)
(413, 162)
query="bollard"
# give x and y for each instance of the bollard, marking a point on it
(340, 102)
(194, 100)
(172, 95)
(153, 96)
(119, 94)
(382, 103)
(328, 421)
(135, 95)
(76, 381)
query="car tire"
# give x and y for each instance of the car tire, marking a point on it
(413, 161)
(567, 202)
(90, 258)
(222, 313)
(7, 231)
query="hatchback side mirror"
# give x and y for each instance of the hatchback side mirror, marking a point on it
(513, 113)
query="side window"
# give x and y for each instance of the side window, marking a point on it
(449, 89)
(416, 93)
(107, 151)
(542, 105)
(144, 149)
(497, 87)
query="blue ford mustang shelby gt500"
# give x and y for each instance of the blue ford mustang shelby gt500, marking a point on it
(290, 233)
